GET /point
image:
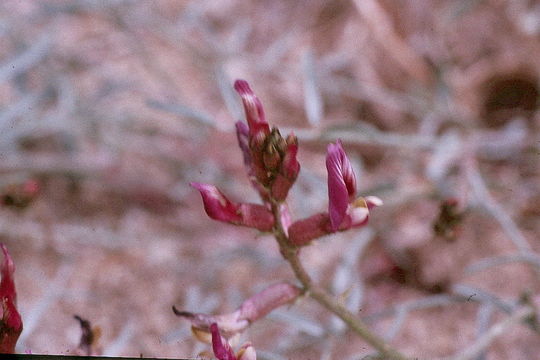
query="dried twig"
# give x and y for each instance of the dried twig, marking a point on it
(484, 341)
(483, 319)
(116, 347)
(479, 295)
(17, 109)
(425, 303)
(495, 209)
(383, 30)
(24, 61)
(46, 164)
(529, 258)
(55, 289)
(313, 104)
(347, 281)
(361, 136)
(182, 110)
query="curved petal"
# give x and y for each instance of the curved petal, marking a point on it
(222, 349)
(341, 183)
(252, 107)
(216, 205)
(242, 134)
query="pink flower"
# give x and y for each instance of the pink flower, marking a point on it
(341, 183)
(218, 207)
(254, 308)
(11, 322)
(344, 211)
(223, 350)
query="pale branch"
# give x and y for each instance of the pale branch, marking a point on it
(27, 59)
(495, 209)
(482, 296)
(483, 319)
(528, 258)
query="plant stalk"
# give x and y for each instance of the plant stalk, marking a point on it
(290, 253)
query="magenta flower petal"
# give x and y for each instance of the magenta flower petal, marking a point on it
(256, 216)
(341, 183)
(242, 134)
(216, 205)
(222, 349)
(302, 232)
(252, 107)
(291, 166)
(11, 322)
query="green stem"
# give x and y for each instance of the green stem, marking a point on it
(290, 253)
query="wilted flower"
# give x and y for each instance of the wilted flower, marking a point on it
(11, 322)
(450, 217)
(252, 309)
(19, 195)
(344, 210)
(223, 350)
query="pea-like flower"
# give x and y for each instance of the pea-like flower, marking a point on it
(252, 309)
(345, 211)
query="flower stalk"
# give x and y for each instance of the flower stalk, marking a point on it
(272, 167)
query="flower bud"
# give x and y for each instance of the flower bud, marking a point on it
(253, 108)
(216, 205)
(270, 159)
(219, 207)
(252, 309)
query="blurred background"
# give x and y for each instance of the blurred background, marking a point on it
(108, 109)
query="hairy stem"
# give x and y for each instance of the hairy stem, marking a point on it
(290, 253)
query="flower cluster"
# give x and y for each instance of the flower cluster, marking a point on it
(272, 168)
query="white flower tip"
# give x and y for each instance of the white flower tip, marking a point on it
(359, 214)
(247, 353)
(373, 201)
